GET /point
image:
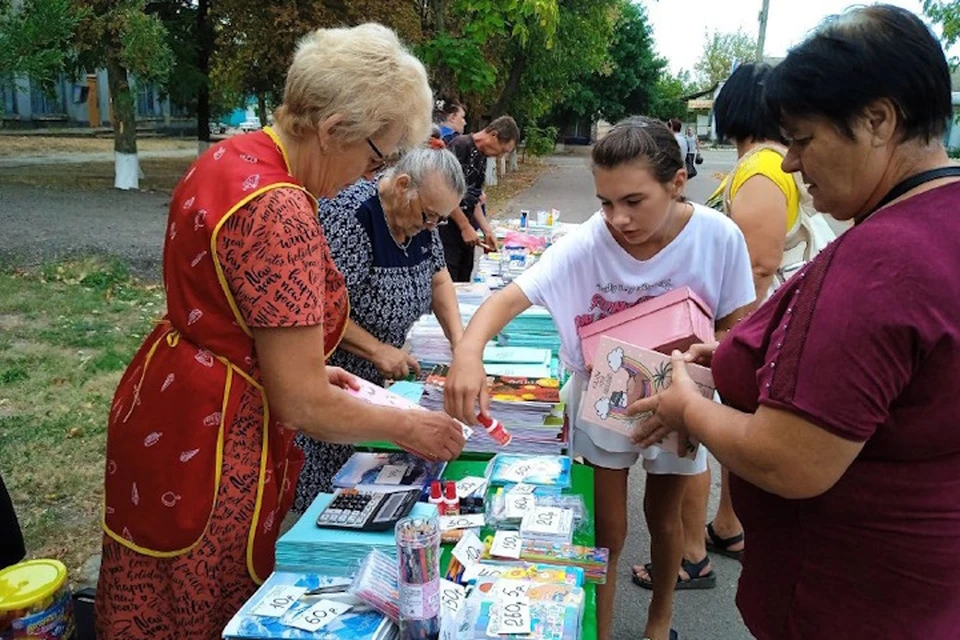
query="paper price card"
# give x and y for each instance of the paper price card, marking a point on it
(523, 489)
(318, 616)
(278, 601)
(511, 590)
(482, 571)
(544, 520)
(470, 485)
(469, 550)
(391, 474)
(471, 521)
(518, 504)
(452, 596)
(506, 544)
(514, 616)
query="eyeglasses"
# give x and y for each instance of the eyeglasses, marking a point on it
(429, 218)
(381, 159)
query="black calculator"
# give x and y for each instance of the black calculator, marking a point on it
(367, 510)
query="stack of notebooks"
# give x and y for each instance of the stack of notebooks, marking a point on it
(334, 552)
(519, 362)
(532, 328)
(269, 614)
(427, 342)
(555, 610)
(528, 408)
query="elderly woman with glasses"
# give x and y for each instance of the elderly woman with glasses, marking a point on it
(383, 237)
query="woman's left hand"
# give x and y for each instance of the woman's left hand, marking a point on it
(667, 407)
(340, 378)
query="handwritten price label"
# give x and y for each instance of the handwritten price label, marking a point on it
(545, 520)
(471, 521)
(391, 474)
(469, 550)
(482, 571)
(512, 590)
(514, 616)
(470, 485)
(517, 505)
(523, 489)
(278, 601)
(506, 544)
(452, 596)
(318, 616)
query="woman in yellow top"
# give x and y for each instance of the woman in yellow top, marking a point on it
(765, 203)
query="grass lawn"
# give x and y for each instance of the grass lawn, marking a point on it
(66, 335)
(11, 146)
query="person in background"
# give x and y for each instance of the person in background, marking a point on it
(693, 148)
(12, 549)
(676, 127)
(637, 246)
(200, 461)
(452, 118)
(840, 430)
(472, 150)
(383, 238)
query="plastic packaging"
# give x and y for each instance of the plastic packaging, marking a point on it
(35, 601)
(376, 584)
(418, 557)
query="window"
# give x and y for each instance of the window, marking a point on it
(146, 101)
(8, 96)
(47, 104)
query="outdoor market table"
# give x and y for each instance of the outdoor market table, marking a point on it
(582, 485)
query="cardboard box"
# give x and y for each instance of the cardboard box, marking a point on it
(674, 320)
(624, 373)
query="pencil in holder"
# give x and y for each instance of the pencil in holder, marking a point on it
(418, 560)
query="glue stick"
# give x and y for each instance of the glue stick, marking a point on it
(436, 498)
(495, 430)
(451, 502)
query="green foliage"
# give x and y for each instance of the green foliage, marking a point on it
(947, 15)
(36, 40)
(540, 140)
(719, 52)
(666, 102)
(144, 50)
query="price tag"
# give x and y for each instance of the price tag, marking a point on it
(469, 521)
(469, 550)
(517, 472)
(278, 601)
(514, 616)
(452, 596)
(391, 474)
(511, 590)
(545, 520)
(482, 571)
(518, 505)
(470, 485)
(523, 489)
(318, 616)
(506, 544)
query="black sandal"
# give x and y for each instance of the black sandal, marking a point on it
(673, 635)
(696, 579)
(716, 544)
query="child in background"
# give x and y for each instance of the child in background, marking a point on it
(645, 241)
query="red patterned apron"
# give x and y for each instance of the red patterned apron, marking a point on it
(182, 389)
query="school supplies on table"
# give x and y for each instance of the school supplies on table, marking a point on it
(593, 560)
(281, 607)
(336, 552)
(554, 611)
(547, 471)
(624, 373)
(418, 559)
(399, 469)
(376, 584)
(548, 524)
(367, 510)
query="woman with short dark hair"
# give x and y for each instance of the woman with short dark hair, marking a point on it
(840, 430)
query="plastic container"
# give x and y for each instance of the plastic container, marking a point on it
(418, 559)
(35, 602)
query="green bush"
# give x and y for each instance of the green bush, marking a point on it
(954, 153)
(541, 140)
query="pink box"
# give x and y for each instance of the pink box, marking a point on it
(674, 320)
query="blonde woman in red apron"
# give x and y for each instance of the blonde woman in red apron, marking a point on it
(201, 468)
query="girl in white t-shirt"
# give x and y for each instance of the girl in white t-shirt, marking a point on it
(646, 240)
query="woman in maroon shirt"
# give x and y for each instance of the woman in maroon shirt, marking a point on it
(842, 416)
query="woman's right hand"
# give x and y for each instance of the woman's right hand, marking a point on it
(701, 353)
(394, 364)
(431, 434)
(465, 385)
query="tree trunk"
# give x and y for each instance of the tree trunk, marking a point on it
(204, 53)
(124, 119)
(262, 108)
(511, 87)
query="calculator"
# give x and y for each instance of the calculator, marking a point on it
(367, 510)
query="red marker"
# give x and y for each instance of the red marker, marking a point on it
(495, 430)
(451, 502)
(436, 498)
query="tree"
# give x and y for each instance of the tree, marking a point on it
(720, 51)
(668, 96)
(947, 15)
(58, 36)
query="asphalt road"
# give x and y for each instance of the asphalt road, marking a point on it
(698, 615)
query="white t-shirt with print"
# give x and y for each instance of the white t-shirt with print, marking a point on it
(587, 276)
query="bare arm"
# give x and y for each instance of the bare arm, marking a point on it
(725, 324)
(760, 210)
(393, 363)
(301, 397)
(466, 381)
(446, 308)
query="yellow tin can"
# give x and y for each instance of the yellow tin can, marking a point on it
(35, 602)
